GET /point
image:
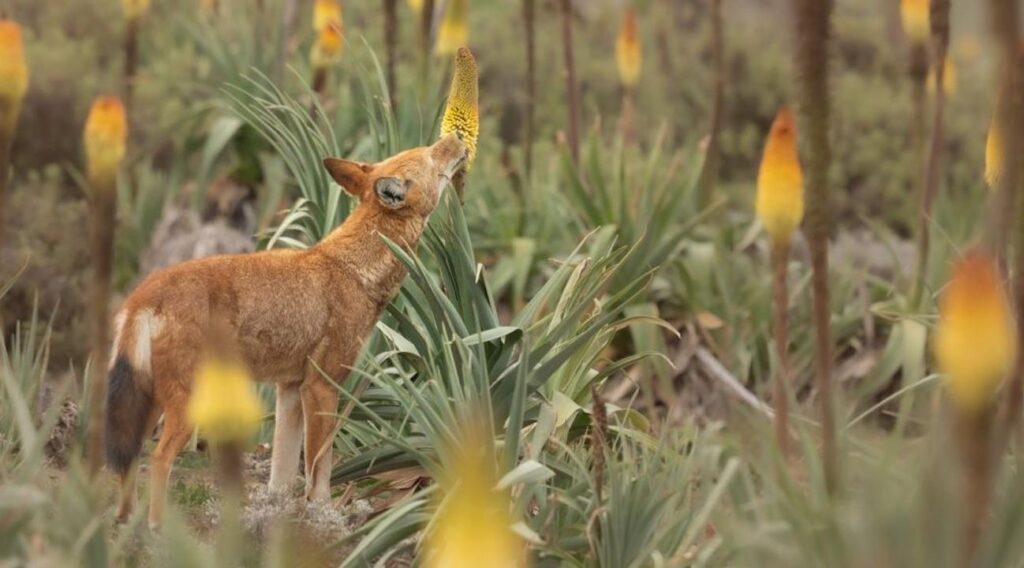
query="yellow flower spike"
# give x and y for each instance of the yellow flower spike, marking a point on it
(462, 113)
(416, 5)
(473, 526)
(780, 181)
(628, 54)
(13, 75)
(454, 32)
(916, 16)
(327, 13)
(976, 340)
(224, 405)
(106, 131)
(134, 9)
(948, 78)
(994, 154)
(328, 48)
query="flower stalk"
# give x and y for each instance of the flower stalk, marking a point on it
(391, 42)
(1007, 200)
(813, 30)
(572, 95)
(134, 11)
(104, 139)
(530, 30)
(709, 171)
(939, 18)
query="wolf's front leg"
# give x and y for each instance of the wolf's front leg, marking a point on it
(320, 408)
(284, 461)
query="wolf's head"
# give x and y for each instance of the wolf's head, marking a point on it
(409, 183)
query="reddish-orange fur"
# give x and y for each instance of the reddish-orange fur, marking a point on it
(293, 312)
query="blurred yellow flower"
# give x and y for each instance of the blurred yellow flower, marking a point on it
(134, 8)
(105, 136)
(628, 54)
(224, 405)
(976, 339)
(454, 32)
(916, 18)
(327, 13)
(327, 49)
(994, 154)
(416, 5)
(462, 113)
(780, 182)
(948, 78)
(472, 527)
(13, 75)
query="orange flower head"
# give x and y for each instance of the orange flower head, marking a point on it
(106, 131)
(328, 48)
(13, 75)
(134, 9)
(916, 16)
(628, 53)
(454, 31)
(976, 340)
(224, 404)
(780, 182)
(473, 525)
(327, 13)
(994, 154)
(462, 113)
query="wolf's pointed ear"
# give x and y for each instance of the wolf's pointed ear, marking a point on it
(352, 176)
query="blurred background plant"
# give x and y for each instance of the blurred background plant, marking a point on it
(608, 321)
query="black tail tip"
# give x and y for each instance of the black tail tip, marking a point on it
(128, 410)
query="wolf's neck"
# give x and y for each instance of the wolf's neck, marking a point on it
(357, 245)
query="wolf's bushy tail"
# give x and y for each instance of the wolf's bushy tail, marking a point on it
(129, 405)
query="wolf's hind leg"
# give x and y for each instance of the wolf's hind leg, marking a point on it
(284, 461)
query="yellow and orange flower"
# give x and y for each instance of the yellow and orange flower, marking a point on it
(780, 181)
(224, 405)
(473, 525)
(916, 16)
(976, 339)
(328, 48)
(454, 31)
(462, 113)
(628, 53)
(105, 138)
(134, 9)
(994, 154)
(327, 13)
(949, 78)
(13, 75)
